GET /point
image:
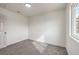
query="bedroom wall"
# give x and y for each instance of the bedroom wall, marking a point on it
(48, 27)
(17, 26)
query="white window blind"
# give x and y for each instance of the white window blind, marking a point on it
(75, 20)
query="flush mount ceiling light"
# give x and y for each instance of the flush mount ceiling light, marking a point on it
(28, 5)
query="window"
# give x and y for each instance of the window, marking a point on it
(75, 20)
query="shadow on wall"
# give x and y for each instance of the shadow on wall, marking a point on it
(40, 46)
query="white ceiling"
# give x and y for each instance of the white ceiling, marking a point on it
(37, 8)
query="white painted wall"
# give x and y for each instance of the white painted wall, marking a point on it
(72, 44)
(49, 27)
(17, 27)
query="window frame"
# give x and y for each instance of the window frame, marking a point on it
(72, 22)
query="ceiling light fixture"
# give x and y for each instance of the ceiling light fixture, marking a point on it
(28, 5)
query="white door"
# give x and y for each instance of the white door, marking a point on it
(2, 31)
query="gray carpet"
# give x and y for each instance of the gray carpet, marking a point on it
(30, 47)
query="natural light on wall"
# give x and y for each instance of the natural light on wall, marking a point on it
(28, 5)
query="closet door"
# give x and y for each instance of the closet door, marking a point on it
(3, 32)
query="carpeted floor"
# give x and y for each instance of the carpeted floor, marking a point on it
(30, 47)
